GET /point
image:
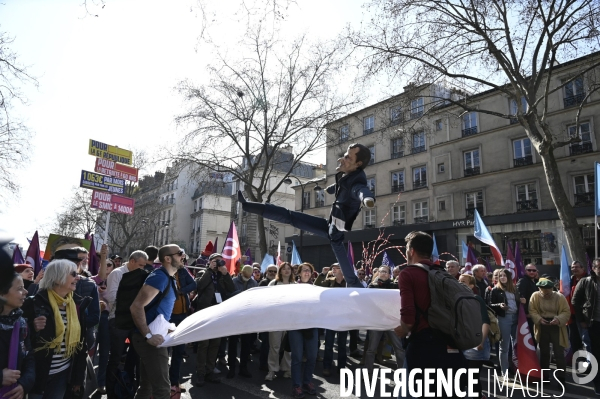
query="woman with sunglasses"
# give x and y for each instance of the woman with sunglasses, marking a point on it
(505, 301)
(103, 336)
(304, 343)
(56, 318)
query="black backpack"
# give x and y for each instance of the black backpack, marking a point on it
(130, 285)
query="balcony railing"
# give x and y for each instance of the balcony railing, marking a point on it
(416, 150)
(319, 203)
(584, 198)
(422, 219)
(528, 205)
(415, 114)
(399, 222)
(306, 205)
(574, 100)
(469, 131)
(398, 154)
(397, 188)
(471, 211)
(369, 226)
(528, 160)
(367, 131)
(582, 148)
(472, 171)
(419, 184)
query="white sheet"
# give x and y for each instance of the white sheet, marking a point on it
(293, 307)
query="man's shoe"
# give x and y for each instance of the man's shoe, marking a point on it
(213, 379)
(297, 392)
(309, 388)
(326, 372)
(270, 375)
(287, 374)
(222, 361)
(101, 390)
(216, 371)
(200, 381)
(355, 353)
(231, 373)
(245, 373)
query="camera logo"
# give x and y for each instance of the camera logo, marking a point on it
(581, 367)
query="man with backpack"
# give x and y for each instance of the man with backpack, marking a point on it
(155, 299)
(427, 347)
(137, 261)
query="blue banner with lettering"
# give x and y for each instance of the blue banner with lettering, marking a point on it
(99, 182)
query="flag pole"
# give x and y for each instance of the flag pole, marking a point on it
(106, 228)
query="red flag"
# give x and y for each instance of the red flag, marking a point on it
(527, 358)
(231, 250)
(93, 262)
(471, 261)
(33, 254)
(509, 262)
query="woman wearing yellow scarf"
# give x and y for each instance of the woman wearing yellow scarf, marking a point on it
(57, 332)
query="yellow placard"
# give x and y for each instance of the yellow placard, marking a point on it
(111, 152)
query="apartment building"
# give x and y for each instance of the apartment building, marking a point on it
(433, 165)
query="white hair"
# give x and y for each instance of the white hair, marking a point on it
(56, 273)
(477, 267)
(452, 262)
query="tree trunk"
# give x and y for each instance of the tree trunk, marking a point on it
(563, 206)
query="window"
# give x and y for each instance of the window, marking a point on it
(574, 92)
(584, 189)
(172, 202)
(421, 212)
(522, 152)
(244, 228)
(320, 198)
(398, 215)
(419, 177)
(514, 109)
(584, 134)
(469, 124)
(370, 217)
(441, 168)
(344, 133)
(418, 144)
(398, 181)
(169, 217)
(442, 205)
(439, 125)
(372, 149)
(397, 148)
(472, 166)
(306, 200)
(371, 184)
(474, 201)
(396, 115)
(368, 124)
(416, 108)
(526, 197)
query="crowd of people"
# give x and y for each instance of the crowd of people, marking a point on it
(53, 323)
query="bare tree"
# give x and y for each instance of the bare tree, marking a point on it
(14, 135)
(77, 217)
(257, 108)
(512, 47)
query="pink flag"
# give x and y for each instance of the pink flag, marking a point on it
(231, 249)
(279, 262)
(33, 254)
(471, 261)
(527, 358)
(509, 263)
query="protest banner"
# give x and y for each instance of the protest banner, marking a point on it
(114, 169)
(99, 182)
(111, 152)
(112, 203)
(56, 241)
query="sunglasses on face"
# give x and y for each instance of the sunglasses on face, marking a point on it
(531, 270)
(73, 274)
(271, 271)
(180, 253)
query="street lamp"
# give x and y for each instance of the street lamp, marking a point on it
(288, 181)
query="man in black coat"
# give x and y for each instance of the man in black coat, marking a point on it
(351, 192)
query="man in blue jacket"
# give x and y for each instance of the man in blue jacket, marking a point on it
(351, 192)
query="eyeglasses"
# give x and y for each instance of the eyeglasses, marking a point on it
(180, 253)
(271, 271)
(530, 270)
(73, 274)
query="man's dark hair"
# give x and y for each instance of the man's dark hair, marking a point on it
(152, 252)
(420, 242)
(363, 155)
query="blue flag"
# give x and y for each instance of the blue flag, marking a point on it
(435, 255)
(295, 255)
(267, 260)
(465, 250)
(388, 262)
